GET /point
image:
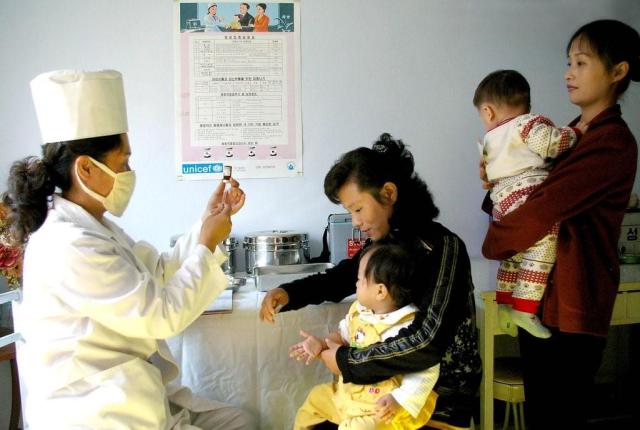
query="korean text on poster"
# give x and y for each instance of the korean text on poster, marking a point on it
(238, 89)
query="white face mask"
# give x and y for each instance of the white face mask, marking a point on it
(118, 198)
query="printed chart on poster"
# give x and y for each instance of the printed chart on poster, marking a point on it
(238, 89)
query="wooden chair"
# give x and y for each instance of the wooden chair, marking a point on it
(8, 353)
(626, 310)
(501, 377)
(508, 386)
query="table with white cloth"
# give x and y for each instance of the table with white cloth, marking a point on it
(236, 358)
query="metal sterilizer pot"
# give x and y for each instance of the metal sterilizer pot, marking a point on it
(275, 248)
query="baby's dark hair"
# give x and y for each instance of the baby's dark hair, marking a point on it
(392, 265)
(613, 42)
(504, 87)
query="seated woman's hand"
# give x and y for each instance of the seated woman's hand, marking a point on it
(272, 302)
(386, 408)
(308, 349)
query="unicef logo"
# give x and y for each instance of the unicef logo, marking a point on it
(291, 166)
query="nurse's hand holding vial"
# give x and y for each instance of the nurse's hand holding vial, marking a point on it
(232, 191)
(231, 194)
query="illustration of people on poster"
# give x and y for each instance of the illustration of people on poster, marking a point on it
(238, 89)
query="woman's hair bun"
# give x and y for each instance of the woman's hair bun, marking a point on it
(388, 145)
(396, 152)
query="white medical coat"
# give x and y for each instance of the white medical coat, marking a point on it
(95, 308)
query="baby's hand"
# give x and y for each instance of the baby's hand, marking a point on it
(486, 184)
(297, 351)
(308, 349)
(386, 408)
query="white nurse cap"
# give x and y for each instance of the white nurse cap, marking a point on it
(72, 104)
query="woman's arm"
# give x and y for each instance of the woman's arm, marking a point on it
(448, 289)
(333, 285)
(579, 182)
(104, 280)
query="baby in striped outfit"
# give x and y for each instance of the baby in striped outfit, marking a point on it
(517, 153)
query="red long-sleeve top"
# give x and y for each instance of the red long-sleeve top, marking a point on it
(587, 192)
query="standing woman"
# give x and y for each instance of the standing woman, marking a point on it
(587, 192)
(96, 305)
(387, 198)
(261, 21)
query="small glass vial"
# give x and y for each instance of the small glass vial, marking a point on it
(226, 175)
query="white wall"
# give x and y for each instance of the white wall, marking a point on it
(408, 67)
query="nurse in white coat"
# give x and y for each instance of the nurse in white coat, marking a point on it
(97, 305)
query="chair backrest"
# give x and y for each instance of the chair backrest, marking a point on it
(10, 296)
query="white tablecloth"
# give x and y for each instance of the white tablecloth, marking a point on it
(238, 359)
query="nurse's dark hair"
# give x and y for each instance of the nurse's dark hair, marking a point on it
(33, 180)
(388, 160)
(394, 266)
(613, 42)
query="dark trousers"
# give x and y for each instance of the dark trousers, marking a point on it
(559, 378)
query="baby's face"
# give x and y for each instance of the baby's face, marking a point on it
(365, 290)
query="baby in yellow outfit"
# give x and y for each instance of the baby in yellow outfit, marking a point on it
(381, 310)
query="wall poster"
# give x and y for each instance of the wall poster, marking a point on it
(238, 89)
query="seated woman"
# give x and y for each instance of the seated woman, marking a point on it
(387, 198)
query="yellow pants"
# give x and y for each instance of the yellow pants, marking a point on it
(319, 407)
